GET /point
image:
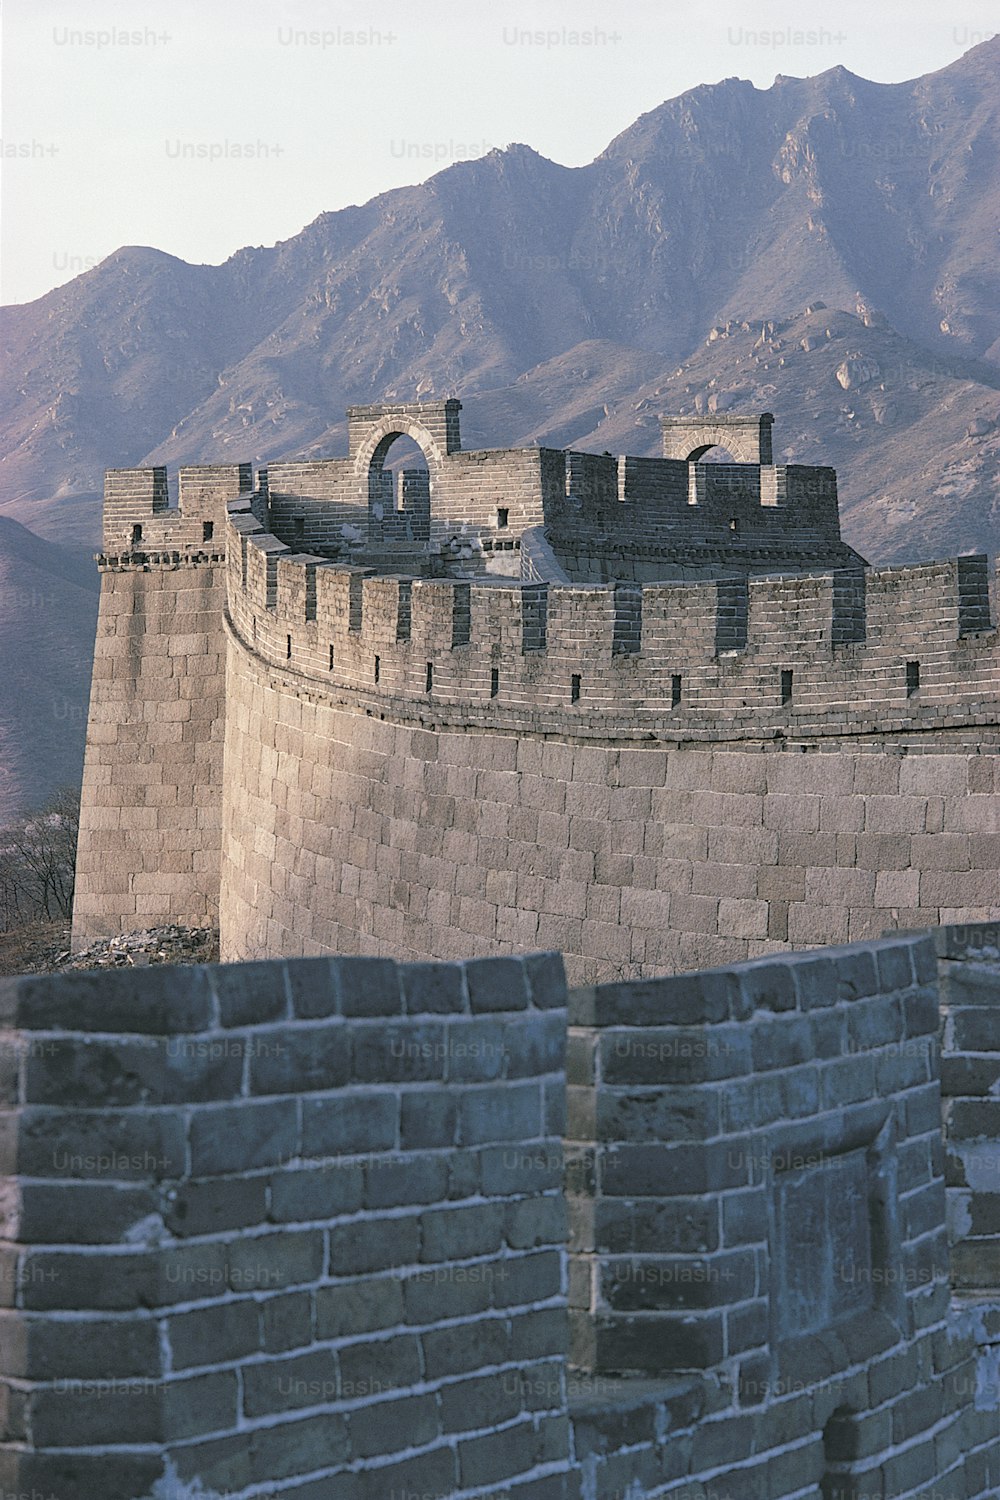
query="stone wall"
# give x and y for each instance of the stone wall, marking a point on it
(151, 802)
(286, 1228)
(748, 438)
(138, 518)
(151, 805)
(349, 831)
(299, 1228)
(756, 516)
(969, 962)
(646, 777)
(847, 638)
(754, 1177)
(637, 777)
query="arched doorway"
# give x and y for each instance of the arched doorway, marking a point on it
(399, 493)
(699, 459)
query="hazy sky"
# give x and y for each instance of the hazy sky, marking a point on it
(200, 126)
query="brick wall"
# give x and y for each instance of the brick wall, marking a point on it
(289, 1228)
(970, 1081)
(298, 1228)
(783, 794)
(527, 804)
(598, 507)
(969, 961)
(138, 518)
(748, 438)
(349, 831)
(754, 1173)
(151, 806)
(846, 637)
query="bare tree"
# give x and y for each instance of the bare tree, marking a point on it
(37, 859)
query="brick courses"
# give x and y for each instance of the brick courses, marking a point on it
(301, 1227)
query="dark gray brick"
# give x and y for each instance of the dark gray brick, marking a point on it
(314, 1193)
(483, 1401)
(531, 1222)
(85, 1213)
(281, 1385)
(496, 984)
(200, 1405)
(381, 1365)
(234, 1138)
(459, 1233)
(428, 1117)
(286, 1321)
(108, 1146)
(390, 1182)
(210, 1335)
(465, 1346)
(249, 993)
(895, 965)
(374, 1245)
(213, 1204)
(368, 986)
(160, 999)
(401, 1052)
(817, 982)
(452, 1291)
(392, 1426)
(296, 1060)
(349, 1124)
(270, 1262)
(433, 988)
(510, 1113)
(312, 987)
(546, 980)
(355, 1307)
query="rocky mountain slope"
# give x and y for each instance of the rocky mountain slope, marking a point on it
(825, 248)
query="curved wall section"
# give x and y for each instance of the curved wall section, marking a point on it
(433, 769)
(346, 832)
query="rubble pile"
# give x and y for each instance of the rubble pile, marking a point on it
(153, 945)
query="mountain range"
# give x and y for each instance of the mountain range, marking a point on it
(825, 249)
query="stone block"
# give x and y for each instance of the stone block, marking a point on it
(358, 1306)
(346, 1125)
(374, 1244)
(741, 918)
(237, 1137)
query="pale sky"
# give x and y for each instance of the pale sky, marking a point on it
(200, 126)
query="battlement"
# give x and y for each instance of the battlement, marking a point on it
(635, 519)
(138, 516)
(846, 652)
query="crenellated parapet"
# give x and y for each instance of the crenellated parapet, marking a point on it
(848, 652)
(138, 517)
(600, 516)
